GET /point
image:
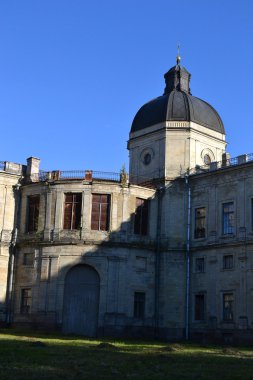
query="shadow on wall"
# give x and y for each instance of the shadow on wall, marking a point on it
(103, 285)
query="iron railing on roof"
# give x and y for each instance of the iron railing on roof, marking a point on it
(111, 176)
(78, 174)
(89, 175)
(225, 163)
(70, 174)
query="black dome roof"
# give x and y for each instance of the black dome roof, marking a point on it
(177, 104)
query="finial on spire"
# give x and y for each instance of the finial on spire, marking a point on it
(178, 54)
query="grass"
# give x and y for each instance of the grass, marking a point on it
(40, 356)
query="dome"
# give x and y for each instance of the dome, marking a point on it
(177, 104)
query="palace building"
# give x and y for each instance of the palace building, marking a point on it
(165, 251)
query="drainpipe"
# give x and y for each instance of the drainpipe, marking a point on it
(160, 192)
(10, 279)
(188, 231)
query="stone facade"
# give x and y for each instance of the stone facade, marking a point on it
(167, 254)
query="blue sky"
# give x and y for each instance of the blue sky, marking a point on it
(73, 73)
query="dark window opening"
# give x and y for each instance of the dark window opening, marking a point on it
(228, 218)
(251, 214)
(139, 304)
(199, 307)
(72, 211)
(141, 217)
(200, 223)
(26, 298)
(228, 262)
(33, 213)
(228, 306)
(28, 259)
(100, 214)
(147, 159)
(200, 265)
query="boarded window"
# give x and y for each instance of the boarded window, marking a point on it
(141, 217)
(139, 304)
(200, 223)
(100, 214)
(26, 298)
(72, 211)
(33, 213)
(228, 306)
(228, 262)
(200, 265)
(228, 218)
(199, 307)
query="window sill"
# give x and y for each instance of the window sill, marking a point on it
(227, 236)
(228, 323)
(227, 269)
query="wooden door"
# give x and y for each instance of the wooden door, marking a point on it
(81, 301)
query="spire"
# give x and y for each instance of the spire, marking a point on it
(177, 78)
(178, 55)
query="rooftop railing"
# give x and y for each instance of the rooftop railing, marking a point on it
(78, 174)
(225, 163)
(89, 175)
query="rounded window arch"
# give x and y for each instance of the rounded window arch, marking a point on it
(147, 156)
(207, 156)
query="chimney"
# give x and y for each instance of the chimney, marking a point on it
(32, 169)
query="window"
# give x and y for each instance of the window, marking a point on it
(33, 213)
(72, 211)
(228, 218)
(28, 259)
(200, 223)
(200, 265)
(26, 298)
(199, 307)
(100, 214)
(147, 159)
(141, 217)
(251, 214)
(228, 306)
(207, 159)
(139, 304)
(228, 262)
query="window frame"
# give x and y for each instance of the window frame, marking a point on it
(139, 305)
(28, 262)
(251, 215)
(33, 213)
(141, 217)
(203, 266)
(226, 228)
(198, 219)
(225, 318)
(76, 216)
(228, 262)
(25, 307)
(200, 310)
(101, 205)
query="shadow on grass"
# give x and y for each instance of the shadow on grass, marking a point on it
(39, 356)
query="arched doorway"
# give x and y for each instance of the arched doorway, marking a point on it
(81, 301)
